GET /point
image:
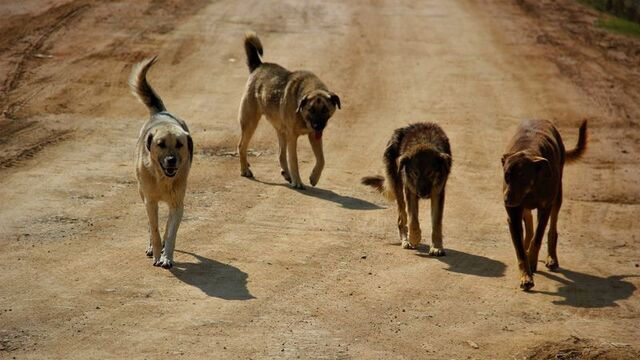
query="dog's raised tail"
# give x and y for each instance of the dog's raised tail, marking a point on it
(581, 147)
(378, 182)
(141, 88)
(253, 48)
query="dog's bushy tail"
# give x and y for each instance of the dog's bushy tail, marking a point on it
(253, 48)
(381, 184)
(581, 147)
(141, 88)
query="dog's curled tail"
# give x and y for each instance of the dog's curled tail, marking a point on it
(253, 48)
(581, 147)
(379, 183)
(141, 89)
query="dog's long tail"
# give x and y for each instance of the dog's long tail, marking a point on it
(253, 48)
(381, 184)
(581, 147)
(141, 88)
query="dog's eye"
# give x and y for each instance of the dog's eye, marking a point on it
(162, 145)
(178, 145)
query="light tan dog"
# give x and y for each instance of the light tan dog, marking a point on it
(295, 103)
(163, 158)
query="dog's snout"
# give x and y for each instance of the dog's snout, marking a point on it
(171, 160)
(425, 190)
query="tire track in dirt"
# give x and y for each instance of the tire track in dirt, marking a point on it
(50, 70)
(28, 54)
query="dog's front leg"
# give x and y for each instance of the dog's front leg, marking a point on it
(528, 228)
(437, 210)
(415, 235)
(155, 244)
(316, 146)
(292, 151)
(515, 227)
(284, 167)
(534, 247)
(402, 215)
(173, 223)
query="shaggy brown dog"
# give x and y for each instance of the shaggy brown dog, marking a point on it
(417, 164)
(296, 103)
(532, 166)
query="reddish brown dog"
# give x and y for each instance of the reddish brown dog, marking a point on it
(532, 166)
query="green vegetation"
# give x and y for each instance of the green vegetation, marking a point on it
(626, 9)
(626, 15)
(618, 25)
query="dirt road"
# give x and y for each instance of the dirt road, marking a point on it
(265, 271)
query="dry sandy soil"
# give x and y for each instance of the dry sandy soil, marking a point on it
(265, 271)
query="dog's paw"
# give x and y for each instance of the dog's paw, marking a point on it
(414, 238)
(297, 185)
(149, 251)
(314, 178)
(407, 245)
(526, 282)
(436, 251)
(285, 175)
(164, 262)
(552, 264)
(246, 173)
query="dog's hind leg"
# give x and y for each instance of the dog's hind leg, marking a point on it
(552, 237)
(149, 250)
(282, 157)
(415, 234)
(528, 227)
(173, 223)
(534, 246)
(437, 210)
(156, 245)
(316, 146)
(515, 228)
(248, 117)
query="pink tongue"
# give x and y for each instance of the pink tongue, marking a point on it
(318, 135)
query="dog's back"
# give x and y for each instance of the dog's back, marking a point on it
(541, 137)
(404, 141)
(420, 134)
(270, 83)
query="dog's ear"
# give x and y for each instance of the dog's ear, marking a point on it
(149, 140)
(504, 158)
(335, 99)
(302, 103)
(190, 146)
(446, 161)
(402, 162)
(542, 166)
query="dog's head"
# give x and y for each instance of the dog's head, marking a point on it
(170, 148)
(316, 108)
(521, 172)
(425, 170)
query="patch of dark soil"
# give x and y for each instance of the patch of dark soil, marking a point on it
(575, 348)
